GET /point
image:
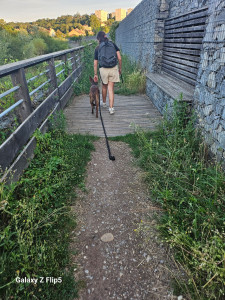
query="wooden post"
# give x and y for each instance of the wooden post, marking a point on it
(80, 57)
(64, 58)
(19, 79)
(52, 75)
(73, 60)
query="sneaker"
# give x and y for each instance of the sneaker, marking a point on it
(111, 111)
(104, 105)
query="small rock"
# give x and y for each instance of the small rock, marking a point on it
(179, 297)
(148, 258)
(86, 272)
(107, 237)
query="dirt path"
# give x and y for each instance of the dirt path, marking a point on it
(132, 265)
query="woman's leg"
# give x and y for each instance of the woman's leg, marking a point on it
(111, 94)
(104, 92)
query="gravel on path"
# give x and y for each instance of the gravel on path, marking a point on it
(116, 259)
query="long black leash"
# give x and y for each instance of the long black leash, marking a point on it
(111, 157)
(106, 138)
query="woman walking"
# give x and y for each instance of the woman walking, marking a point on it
(107, 55)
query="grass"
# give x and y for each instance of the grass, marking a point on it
(36, 219)
(134, 80)
(83, 85)
(191, 190)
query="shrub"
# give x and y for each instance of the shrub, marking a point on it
(36, 219)
(191, 190)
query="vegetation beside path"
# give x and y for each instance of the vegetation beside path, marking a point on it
(36, 220)
(191, 190)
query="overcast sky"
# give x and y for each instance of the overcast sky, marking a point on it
(31, 10)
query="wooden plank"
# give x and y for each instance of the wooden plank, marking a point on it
(181, 61)
(190, 16)
(199, 34)
(172, 86)
(180, 66)
(24, 110)
(195, 52)
(10, 148)
(179, 76)
(52, 74)
(200, 28)
(187, 23)
(182, 56)
(184, 40)
(183, 46)
(182, 72)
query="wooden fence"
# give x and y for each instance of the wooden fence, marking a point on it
(17, 150)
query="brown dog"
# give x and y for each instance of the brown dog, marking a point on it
(94, 95)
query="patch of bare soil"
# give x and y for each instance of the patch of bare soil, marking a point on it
(116, 259)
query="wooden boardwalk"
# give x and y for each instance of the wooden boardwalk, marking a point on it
(135, 109)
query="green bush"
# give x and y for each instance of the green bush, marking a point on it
(134, 80)
(112, 31)
(83, 85)
(21, 45)
(36, 219)
(191, 191)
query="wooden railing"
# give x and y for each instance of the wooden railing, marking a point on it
(17, 150)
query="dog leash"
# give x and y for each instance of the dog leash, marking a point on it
(106, 138)
(111, 157)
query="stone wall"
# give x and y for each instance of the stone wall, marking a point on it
(209, 97)
(140, 34)
(179, 7)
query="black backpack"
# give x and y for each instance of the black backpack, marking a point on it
(107, 56)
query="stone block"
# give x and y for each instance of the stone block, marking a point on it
(221, 33)
(207, 110)
(213, 148)
(222, 88)
(223, 114)
(218, 109)
(221, 139)
(209, 120)
(211, 80)
(215, 66)
(209, 98)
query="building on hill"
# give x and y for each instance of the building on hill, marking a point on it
(52, 32)
(76, 32)
(102, 15)
(86, 27)
(120, 14)
(129, 11)
(80, 32)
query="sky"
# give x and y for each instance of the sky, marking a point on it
(32, 10)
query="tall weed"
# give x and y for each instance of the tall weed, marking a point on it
(191, 190)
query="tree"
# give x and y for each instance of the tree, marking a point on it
(112, 32)
(2, 23)
(95, 23)
(40, 46)
(4, 55)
